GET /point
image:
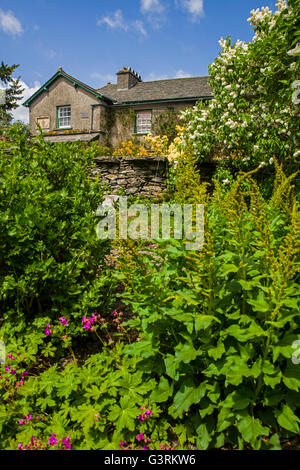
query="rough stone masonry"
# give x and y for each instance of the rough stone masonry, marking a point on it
(138, 176)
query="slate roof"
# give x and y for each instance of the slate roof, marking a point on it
(159, 90)
(174, 89)
(61, 73)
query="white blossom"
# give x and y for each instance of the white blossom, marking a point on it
(294, 51)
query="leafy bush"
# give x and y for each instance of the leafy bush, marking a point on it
(254, 115)
(50, 256)
(130, 148)
(96, 406)
(203, 357)
(217, 327)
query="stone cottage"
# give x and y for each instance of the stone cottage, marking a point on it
(67, 109)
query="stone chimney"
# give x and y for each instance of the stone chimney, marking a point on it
(127, 78)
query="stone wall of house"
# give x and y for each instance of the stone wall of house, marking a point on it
(123, 120)
(138, 176)
(141, 176)
(62, 93)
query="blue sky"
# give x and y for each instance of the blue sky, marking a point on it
(92, 40)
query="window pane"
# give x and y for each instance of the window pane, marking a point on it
(143, 122)
(64, 116)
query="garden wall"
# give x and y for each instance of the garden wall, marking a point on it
(138, 176)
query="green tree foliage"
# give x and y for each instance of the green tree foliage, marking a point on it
(254, 115)
(49, 251)
(13, 92)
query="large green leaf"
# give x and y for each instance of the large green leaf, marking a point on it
(245, 334)
(251, 428)
(124, 416)
(202, 322)
(187, 395)
(291, 376)
(162, 392)
(287, 419)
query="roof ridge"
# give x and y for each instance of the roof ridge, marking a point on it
(160, 80)
(76, 80)
(61, 73)
(177, 78)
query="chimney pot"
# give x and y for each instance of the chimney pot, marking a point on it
(127, 78)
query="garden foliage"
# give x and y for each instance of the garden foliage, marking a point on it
(141, 344)
(254, 115)
(203, 359)
(49, 251)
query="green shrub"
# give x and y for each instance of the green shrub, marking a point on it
(218, 327)
(51, 262)
(205, 355)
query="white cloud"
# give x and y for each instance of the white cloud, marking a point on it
(152, 76)
(181, 74)
(103, 78)
(9, 23)
(115, 21)
(139, 25)
(151, 6)
(22, 113)
(154, 11)
(194, 7)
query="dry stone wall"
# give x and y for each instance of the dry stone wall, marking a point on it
(138, 176)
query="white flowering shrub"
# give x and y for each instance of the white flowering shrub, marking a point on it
(254, 115)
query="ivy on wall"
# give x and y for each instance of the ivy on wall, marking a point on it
(126, 117)
(110, 120)
(165, 124)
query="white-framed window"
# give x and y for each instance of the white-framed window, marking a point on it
(63, 117)
(143, 122)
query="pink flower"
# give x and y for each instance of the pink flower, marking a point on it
(24, 374)
(140, 436)
(87, 322)
(146, 448)
(21, 422)
(52, 440)
(122, 444)
(47, 330)
(63, 321)
(13, 372)
(10, 357)
(66, 443)
(145, 415)
(7, 369)
(29, 417)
